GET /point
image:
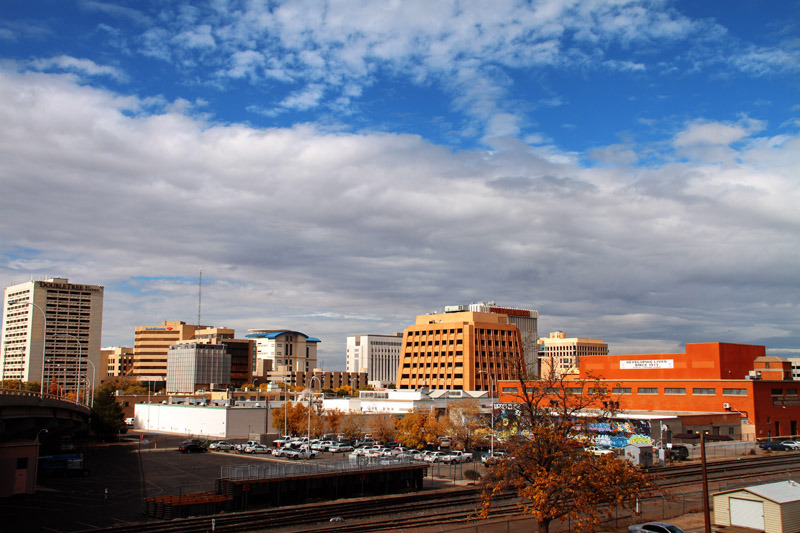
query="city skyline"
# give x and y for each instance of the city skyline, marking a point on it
(629, 169)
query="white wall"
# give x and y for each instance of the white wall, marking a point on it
(216, 422)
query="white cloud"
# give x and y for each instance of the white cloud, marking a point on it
(304, 99)
(287, 220)
(467, 50)
(72, 64)
(716, 133)
(198, 37)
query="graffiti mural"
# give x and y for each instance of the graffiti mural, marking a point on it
(613, 433)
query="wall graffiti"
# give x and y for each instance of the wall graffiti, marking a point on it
(614, 433)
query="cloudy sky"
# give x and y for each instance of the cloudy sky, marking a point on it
(631, 169)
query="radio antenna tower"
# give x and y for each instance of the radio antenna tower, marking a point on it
(199, 296)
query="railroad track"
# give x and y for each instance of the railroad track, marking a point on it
(430, 508)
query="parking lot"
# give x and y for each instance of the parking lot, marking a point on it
(122, 473)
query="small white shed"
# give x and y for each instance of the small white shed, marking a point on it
(639, 454)
(772, 508)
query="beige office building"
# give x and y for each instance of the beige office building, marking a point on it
(561, 354)
(115, 361)
(70, 338)
(151, 344)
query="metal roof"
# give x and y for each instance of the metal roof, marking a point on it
(276, 334)
(780, 492)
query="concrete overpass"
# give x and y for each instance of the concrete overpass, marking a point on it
(23, 414)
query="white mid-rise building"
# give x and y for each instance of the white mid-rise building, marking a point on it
(283, 351)
(52, 330)
(377, 355)
(192, 366)
(561, 354)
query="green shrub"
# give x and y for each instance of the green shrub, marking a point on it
(471, 475)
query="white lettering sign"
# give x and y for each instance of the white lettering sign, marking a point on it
(645, 364)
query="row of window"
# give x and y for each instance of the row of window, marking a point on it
(697, 391)
(432, 376)
(435, 354)
(436, 343)
(434, 332)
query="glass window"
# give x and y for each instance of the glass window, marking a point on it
(621, 390)
(704, 391)
(510, 390)
(735, 392)
(674, 390)
(647, 390)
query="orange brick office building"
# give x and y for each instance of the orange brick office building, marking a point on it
(459, 351)
(710, 386)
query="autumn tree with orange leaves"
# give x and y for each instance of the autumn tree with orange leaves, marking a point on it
(547, 466)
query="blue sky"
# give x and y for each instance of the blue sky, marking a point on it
(628, 168)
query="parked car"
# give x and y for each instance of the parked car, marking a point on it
(391, 452)
(434, 457)
(656, 527)
(678, 452)
(191, 446)
(792, 444)
(488, 459)
(242, 445)
(410, 453)
(322, 446)
(257, 448)
(597, 450)
(367, 450)
(340, 448)
(221, 445)
(773, 445)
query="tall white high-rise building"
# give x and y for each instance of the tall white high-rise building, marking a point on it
(377, 355)
(71, 337)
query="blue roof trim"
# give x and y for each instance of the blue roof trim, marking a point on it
(276, 334)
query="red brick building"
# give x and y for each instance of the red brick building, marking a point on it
(708, 380)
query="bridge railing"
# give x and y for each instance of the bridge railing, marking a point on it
(34, 394)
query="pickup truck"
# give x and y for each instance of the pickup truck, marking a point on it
(300, 453)
(456, 456)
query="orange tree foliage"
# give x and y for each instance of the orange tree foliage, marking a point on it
(333, 419)
(464, 422)
(382, 427)
(547, 466)
(418, 429)
(296, 418)
(351, 426)
(557, 479)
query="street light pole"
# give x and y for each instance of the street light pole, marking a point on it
(91, 402)
(44, 333)
(78, 369)
(310, 397)
(491, 394)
